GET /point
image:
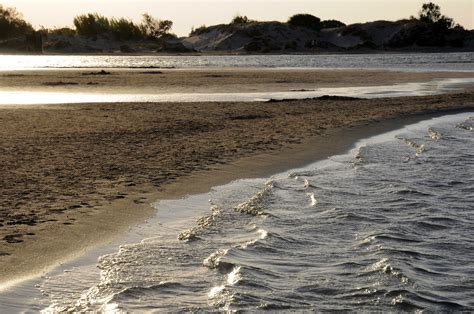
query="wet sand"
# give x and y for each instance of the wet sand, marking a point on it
(76, 176)
(218, 80)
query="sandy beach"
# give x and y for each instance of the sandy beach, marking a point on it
(76, 176)
(305, 158)
(67, 169)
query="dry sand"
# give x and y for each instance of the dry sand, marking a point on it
(76, 176)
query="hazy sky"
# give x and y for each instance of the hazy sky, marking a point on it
(188, 13)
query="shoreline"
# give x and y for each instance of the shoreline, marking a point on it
(258, 166)
(202, 81)
(426, 50)
(133, 208)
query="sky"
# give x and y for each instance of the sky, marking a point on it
(188, 13)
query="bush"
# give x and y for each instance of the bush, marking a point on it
(153, 28)
(124, 29)
(332, 24)
(239, 19)
(424, 35)
(305, 20)
(64, 31)
(431, 14)
(253, 31)
(57, 44)
(198, 31)
(93, 25)
(430, 29)
(126, 49)
(12, 24)
(292, 45)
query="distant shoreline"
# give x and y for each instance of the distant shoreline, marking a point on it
(234, 53)
(302, 33)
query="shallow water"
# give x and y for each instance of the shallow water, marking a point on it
(407, 61)
(434, 87)
(385, 227)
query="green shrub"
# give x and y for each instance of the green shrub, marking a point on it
(305, 20)
(12, 23)
(91, 25)
(124, 29)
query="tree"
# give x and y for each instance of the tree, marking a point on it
(12, 23)
(431, 14)
(305, 20)
(153, 28)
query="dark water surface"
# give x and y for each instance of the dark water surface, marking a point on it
(407, 61)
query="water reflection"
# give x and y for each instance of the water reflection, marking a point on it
(20, 97)
(406, 61)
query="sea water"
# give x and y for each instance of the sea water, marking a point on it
(431, 62)
(463, 61)
(387, 226)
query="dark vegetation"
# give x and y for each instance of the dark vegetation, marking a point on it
(431, 14)
(313, 22)
(16, 34)
(93, 25)
(302, 32)
(198, 30)
(306, 32)
(12, 24)
(430, 29)
(305, 20)
(239, 19)
(331, 24)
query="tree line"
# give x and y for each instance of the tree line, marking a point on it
(93, 24)
(13, 25)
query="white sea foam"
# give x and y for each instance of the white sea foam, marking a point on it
(234, 276)
(313, 199)
(215, 291)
